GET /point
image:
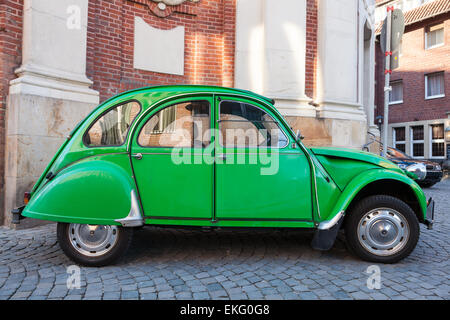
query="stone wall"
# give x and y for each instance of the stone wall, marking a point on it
(48, 94)
(11, 12)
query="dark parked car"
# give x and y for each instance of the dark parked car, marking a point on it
(433, 171)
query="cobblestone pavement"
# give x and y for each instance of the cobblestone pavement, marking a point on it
(182, 264)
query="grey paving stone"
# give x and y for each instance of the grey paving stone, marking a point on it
(263, 264)
(201, 295)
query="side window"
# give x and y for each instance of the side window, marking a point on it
(244, 125)
(111, 129)
(182, 125)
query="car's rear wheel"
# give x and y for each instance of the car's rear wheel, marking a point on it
(93, 245)
(382, 229)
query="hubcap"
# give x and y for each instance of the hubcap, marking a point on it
(92, 240)
(383, 231)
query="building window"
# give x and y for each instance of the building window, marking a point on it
(434, 85)
(417, 141)
(396, 94)
(434, 36)
(437, 141)
(399, 139)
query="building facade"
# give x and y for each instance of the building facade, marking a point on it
(59, 59)
(419, 107)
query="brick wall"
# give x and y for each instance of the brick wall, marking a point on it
(209, 43)
(415, 62)
(10, 58)
(311, 48)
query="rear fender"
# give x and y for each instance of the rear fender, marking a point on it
(96, 190)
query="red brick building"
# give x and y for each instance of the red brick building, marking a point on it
(419, 109)
(57, 62)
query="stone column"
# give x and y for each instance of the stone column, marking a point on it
(50, 95)
(339, 82)
(270, 52)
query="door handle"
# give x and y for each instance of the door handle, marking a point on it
(137, 156)
(223, 157)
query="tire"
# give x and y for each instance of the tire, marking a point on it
(381, 229)
(93, 246)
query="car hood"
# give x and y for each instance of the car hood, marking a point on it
(412, 161)
(356, 155)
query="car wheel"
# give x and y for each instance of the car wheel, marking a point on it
(382, 229)
(93, 245)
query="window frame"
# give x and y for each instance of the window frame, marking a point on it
(437, 96)
(152, 113)
(252, 147)
(397, 101)
(394, 138)
(413, 142)
(427, 28)
(436, 141)
(104, 113)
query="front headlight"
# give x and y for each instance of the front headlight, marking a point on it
(419, 169)
(438, 167)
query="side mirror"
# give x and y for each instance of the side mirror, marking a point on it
(299, 135)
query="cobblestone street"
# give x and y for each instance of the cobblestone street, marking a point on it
(185, 264)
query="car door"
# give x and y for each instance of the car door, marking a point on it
(172, 166)
(260, 172)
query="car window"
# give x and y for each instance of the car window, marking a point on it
(244, 125)
(111, 128)
(182, 125)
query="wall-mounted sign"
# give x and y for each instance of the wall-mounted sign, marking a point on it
(158, 50)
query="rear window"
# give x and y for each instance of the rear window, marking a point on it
(112, 127)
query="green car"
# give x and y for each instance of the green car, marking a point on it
(213, 157)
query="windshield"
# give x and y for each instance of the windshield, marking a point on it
(394, 153)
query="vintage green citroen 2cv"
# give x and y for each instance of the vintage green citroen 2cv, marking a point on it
(203, 156)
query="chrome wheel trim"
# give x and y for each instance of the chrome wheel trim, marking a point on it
(92, 240)
(383, 231)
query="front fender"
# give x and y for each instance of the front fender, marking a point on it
(365, 178)
(97, 190)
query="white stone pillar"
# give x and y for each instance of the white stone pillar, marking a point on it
(270, 52)
(51, 93)
(339, 84)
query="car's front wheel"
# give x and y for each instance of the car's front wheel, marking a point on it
(93, 245)
(382, 229)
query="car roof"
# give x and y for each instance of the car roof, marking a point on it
(189, 88)
(175, 89)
